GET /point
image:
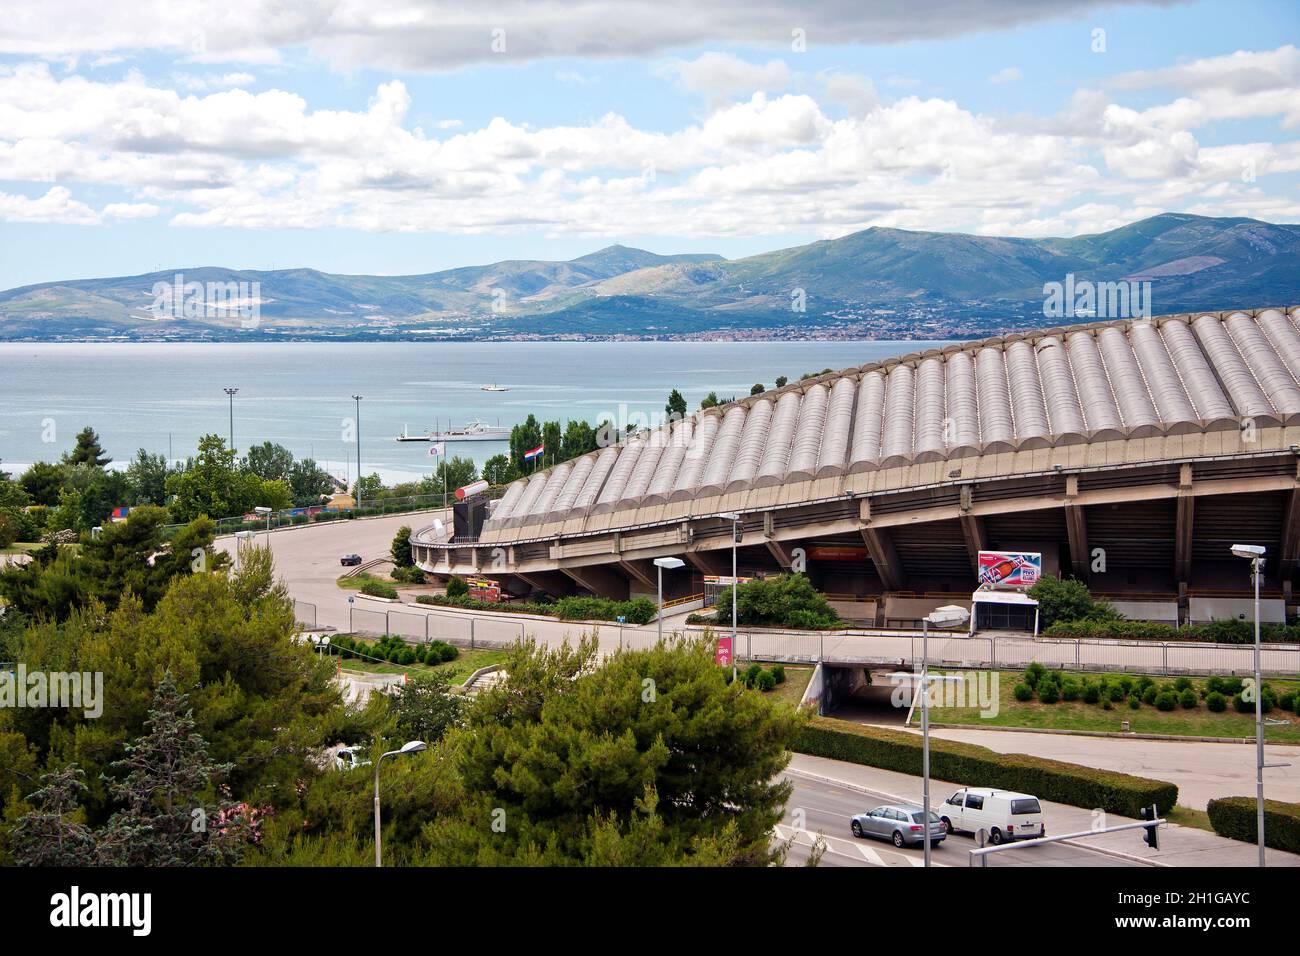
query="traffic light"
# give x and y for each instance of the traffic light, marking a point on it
(1150, 835)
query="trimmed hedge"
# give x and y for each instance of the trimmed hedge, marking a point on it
(950, 760)
(1231, 631)
(1234, 818)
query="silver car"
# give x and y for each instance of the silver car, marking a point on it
(899, 823)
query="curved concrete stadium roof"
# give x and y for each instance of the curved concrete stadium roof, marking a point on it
(1086, 384)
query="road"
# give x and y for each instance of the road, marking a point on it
(821, 807)
(1202, 771)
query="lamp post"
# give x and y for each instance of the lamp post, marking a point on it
(263, 510)
(410, 747)
(1254, 553)
(230, 392)
(949, 616)
(670, 564)
(357, 399)
(734, 518)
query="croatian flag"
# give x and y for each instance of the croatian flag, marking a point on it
(535, 453)
(437, 449)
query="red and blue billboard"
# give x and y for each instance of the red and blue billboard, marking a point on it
(1010, 569)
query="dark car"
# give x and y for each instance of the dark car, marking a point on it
(350, 559)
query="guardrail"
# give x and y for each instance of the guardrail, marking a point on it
(683, 600)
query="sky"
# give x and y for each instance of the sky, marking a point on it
(409, 136)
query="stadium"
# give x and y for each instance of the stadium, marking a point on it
(1130, 454)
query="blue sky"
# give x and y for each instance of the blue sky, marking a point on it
(139, 138)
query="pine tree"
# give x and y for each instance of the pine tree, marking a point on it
(53, 834)
(88, 450)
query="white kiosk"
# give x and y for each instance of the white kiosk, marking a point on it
(1000, 603)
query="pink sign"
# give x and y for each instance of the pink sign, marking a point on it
(723, 655)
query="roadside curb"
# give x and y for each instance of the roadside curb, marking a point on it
(1118, 854)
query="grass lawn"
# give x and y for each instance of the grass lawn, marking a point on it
(796, 682)
(21, 547)
(355, 583)
(1187, 817)
(1076, 715)
(459, 669)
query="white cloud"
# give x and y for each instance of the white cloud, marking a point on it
(56, 206)
(772, 163)
(1007, 75)
(717, 77)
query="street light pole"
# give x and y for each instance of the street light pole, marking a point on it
(735, 584)
(1255, 554)
(660, 564)
(925, 734)
(410, 747)
(358, 431)
(230, 392)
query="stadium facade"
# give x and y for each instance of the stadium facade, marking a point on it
(1132, 454)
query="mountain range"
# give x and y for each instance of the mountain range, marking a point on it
(876, 283)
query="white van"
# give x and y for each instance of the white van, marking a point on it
(1003, 814)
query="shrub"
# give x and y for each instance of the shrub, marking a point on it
(1165, 700)
(1216, 702)
(950, 760)
(765, 681)
(1134, 702)
(784, 600)
(1066, 600)
(1091, 693)
(456, 587)
(1234, 817)
(379, 589)
(750, 674)
(1023, 692)
(1070, 689)
(1115, 693)
(1150, 694)
(1034, 673)
(1241, 705)
(778, 673)
(1187, 699)
(1287, 700)
(1182, 684)
(1125, 684)
(1048, 692)
(1143, 683)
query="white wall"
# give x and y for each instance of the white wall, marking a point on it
(1165, 612)
(1204, 610)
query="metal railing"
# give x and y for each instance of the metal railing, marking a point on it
(304, 613)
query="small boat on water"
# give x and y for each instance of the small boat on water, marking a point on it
(474, 430)
(406, 437)
(494, 387)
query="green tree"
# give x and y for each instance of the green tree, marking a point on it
(651, 757)
(553, 440)
(757, 389)
(166, 780)
(401, 548)
(781, 381)
(269, 461)
(42, 482)
(426, 707)
(676, 407)
(785, 600)
(710, 400)
(523, 437)
(105, 491)
(309, 483)
(497, 470)
(88, 451)
(1065, 599)
(146, 478)
(368, 488)
(579, 438)
(457, 472)
(53, 832)
(210, 484)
